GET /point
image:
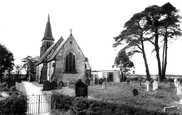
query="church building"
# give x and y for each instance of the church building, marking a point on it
(62, 60)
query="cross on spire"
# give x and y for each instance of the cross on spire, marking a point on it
(71, 31)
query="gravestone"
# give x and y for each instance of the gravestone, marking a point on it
(81, 89)
(155, 85)
(60, 84)
(96, 81)
(46, 86)
(53, 85)
(135, 92)
(103, 86)
(179, 88)
(140, 81)
(104, 79)
(175, 82)
(128, 81)
(91, 83)
(147, 83)
(87, 81)
(100, 81)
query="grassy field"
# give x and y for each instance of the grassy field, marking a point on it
(122, 93)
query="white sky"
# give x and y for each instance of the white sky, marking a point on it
(94, 24)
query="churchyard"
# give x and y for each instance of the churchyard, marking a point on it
(155, 98)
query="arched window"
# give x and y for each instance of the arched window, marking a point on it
(70, 63)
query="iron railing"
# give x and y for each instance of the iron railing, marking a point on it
(37, 104)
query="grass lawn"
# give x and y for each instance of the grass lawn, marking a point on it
(122, 93)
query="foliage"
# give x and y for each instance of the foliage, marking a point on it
(14, 105)
(83, 106)
(123, 61)
(61, 102)
(6, 61)
(29, 65)
(3, 86)
(162, 26)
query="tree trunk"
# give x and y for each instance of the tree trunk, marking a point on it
(158, 55)
(164, 58)
(145, 59)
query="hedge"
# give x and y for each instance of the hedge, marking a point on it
(16, 104)
(83, 106)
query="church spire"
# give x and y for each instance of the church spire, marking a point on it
(48, 31)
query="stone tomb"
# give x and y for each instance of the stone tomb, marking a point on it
(81, 89)
(53, 85)
(179, 87)
(155, 85)
(46, 86)
(175, 82)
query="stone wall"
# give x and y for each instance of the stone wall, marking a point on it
(69, 46)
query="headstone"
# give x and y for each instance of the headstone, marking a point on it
(60, 84)
(155, 85)
(175, 82)
(53, 85)
(87, 81)
(179, 88)
(103, 86)
(96, 81)
(104, 79)
(147, 83)
(135, 92)
(100, 81)
(140, 81)
(91, 83)
(128, 81)
(46, 86)
(81, 89)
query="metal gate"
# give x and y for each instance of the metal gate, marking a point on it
(38, 104)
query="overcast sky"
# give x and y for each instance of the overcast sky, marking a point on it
(94, 24)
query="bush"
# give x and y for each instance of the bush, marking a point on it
(3, 85)
(14, 105)
(83, 106)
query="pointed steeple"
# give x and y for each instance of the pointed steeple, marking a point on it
(48, 31)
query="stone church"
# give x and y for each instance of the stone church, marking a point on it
(62, 60)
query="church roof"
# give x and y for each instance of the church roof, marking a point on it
(49, 50)
(48, 31)
(55, 48)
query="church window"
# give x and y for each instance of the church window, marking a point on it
(70, 63)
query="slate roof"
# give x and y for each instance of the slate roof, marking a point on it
(51, 48)
(55, 48)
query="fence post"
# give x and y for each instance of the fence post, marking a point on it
(39, 103)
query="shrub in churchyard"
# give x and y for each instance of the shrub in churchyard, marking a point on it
(46, 86)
